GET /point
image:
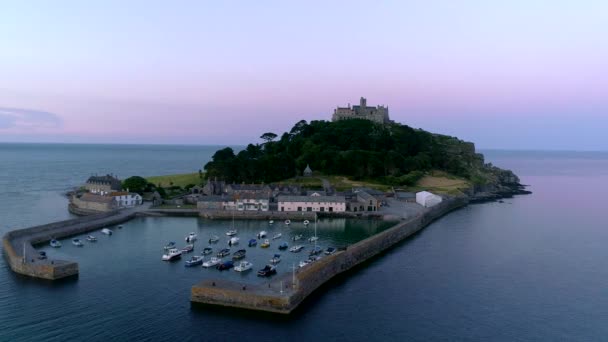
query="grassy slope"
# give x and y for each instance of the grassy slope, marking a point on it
(179, 180)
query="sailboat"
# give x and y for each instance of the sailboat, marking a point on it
(233, 231)
(314, 238)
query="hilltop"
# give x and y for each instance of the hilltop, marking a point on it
(389, 155)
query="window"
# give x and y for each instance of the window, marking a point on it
(331, 209)
(299, 208)
(282, 209)
(309, 209)
(322, 208)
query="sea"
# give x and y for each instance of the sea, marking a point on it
(532, 268)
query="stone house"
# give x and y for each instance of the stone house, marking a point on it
(235, 189)
(212, 202)
(312, 203)
(103, 184)
(214, 188)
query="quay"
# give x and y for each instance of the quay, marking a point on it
(284, 294)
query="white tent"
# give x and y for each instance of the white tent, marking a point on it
(427, 199)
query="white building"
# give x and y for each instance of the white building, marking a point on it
(312, 203)
(252, 202)
(427, 199)
(126, 199)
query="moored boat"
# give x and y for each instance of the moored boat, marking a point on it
(313, 238)
(288, 222)
(277, 236)
(214, 239)
(283, 245)
(233, 241)
(191, 237)
(240, 254)
(330, 251)
(91, 238)
(188, 248)
(297, 237)
(231, 232)
(275, 259)
(55, 243)
(243, 266)
(252, 242)
(170, 245)
(296, 249)
(207, 250)
(267, 271)
(306, 222)
(265, 244)
(303, 263)
(316, 250)
(223, 252)
(107, 231)
(77, 243)
(172, 254)
(212, 262)
(271, 222)
(194, 261)
(262, 234)
(42, 255)
(225, 265)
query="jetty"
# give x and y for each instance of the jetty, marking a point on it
(284, 294)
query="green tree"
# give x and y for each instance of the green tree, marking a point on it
(268, 136)
(135, 184)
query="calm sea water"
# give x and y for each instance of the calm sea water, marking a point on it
(532, 268)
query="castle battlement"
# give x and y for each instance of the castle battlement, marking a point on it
(377, 114)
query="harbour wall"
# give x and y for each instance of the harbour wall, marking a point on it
(277, 216)
(22, 257)
(310, 278)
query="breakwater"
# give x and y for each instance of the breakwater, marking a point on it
(285, 293)
(22, 257)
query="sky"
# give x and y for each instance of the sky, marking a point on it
(508, 75)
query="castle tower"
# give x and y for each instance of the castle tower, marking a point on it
(363, 102)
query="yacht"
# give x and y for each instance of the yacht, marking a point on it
(297, 237)
(240, 254)
(275, 259)
(233, 241)
(267, 271)
(266, 244)
(188, 248)
(170, 245)
(77, 243)
(231, 232)
(207, 250)
(106, 231)
(243, 266)
(55, 243)
(91, 238)
(283, 245)
(225, 265)
(223, 253)
(212, 262)
(214, 239)
(191, 237)
(262, 234)
(277, 236)
(194, 261)
(253, 242)
(172, 254)
(296, 249)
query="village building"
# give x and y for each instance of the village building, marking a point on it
(404, 196)
(312, 203)
(213, 188)
(125, 199)
(252, 202)
(377, 114)
(103, 184)
(427, 199)
(235, 189)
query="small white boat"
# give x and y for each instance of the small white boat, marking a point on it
(207, 251)
(91, 238)
(277, 236)
(55, 243)
(214, 239)
(288, 222)
(262, 234)
(275, 259)
(172, 254)
(243, 266)
(188, 249)
(296, 249)
(297, 237)
(306, 222)
(233, 241)
(77, 243)
(194, 261)
(231, 232)
(313, 238)
(270, 222)
(265, 244)
(106, 231)
(303, 263)
(212, 262)
(191, 237)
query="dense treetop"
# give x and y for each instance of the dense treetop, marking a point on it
(394, 154)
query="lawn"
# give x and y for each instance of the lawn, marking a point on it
(178, 180)
(441, 182)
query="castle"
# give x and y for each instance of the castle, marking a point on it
(377, 114)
